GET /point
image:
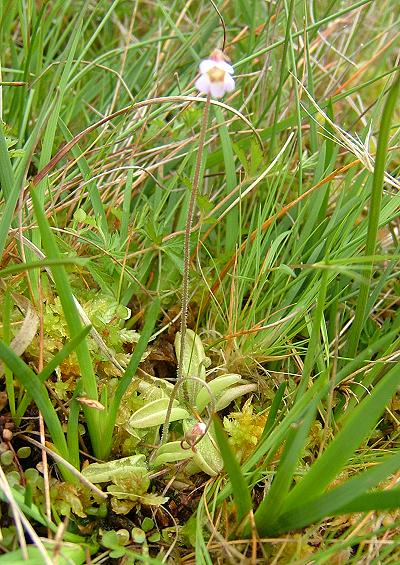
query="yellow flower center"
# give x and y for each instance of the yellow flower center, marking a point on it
(216, 75)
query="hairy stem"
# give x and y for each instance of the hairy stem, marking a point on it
(186, 270)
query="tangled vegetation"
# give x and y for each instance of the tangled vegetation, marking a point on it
(199, 331)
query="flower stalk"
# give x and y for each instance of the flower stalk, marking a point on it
(215, 80)
(186, 269)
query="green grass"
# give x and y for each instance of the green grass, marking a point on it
(293, 281)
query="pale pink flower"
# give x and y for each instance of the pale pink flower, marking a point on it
(215, 76)
(193, 435)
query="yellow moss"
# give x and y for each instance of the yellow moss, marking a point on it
(245, 429)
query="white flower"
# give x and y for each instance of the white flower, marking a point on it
(215, 76)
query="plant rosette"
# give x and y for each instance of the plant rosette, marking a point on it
(129, 482)
(203, 400)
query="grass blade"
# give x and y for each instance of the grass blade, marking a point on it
(240, 489)
(320, 387)
(273, 411)
(74, 324)
(36, 514)
(314, 343)
(22, 267)
(94, 195)
(374, 213)
(355, 429)
(232, 219)
(374, 501)
(336, 501)
(130, 371)
(51, 366)
(38, 391)
(270, 507)
(6, 171)
(10, 193)
(9, 378)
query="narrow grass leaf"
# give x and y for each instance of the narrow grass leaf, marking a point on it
(22, 267)
(10, 193)
(374, 502)
(7, 309)
(126, 207)
(270, 507)
(36, 514)
(91, 187)
(273, 411)
(335, 501)
(74, 322)
(240, 489)
(232, 219)
(140, 348)
(320, 388)
(374, 213)
(6, 171)
(38, 391)
(314, 343)
(51, 366)
(130, 371)
(356, 428)
(202, 554)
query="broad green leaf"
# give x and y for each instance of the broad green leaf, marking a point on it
(154, 413)
(117, 469)
(171, 452)
(161, 385)
(231, 394)
(195, 360)
(217, 386)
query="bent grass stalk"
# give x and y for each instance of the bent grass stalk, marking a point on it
(186, 268)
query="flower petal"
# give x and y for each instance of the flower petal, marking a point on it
(203, 84)
(225, 67)
(206, 65)
(229, 83)
(217, 89)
